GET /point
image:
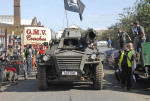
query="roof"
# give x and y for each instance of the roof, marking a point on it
(74, 26)
(9, 20)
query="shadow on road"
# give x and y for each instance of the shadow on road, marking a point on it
(30, 85)
(110, 83)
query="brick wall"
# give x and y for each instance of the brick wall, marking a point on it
(17, 17)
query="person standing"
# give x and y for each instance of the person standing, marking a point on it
(16, 52)
(139, 34)
(109, 43)
(29, 59)
(36, 49)
(2, 60)
(133, 53)
(123, 37)
(33, 58)
(25, 63)
(125, 67)
(9, 53)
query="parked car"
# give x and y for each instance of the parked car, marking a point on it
(102, 43)
(107, 54)
(113, 59)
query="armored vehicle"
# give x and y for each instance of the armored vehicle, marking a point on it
(71, 60)
(142, 69)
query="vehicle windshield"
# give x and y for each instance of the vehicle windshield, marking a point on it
(70, 43)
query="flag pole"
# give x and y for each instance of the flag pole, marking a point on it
(66, 17)
(66, 14)
(63, 20)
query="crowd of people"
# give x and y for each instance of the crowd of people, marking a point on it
(128, 57)
(31, 54)
(29, 57)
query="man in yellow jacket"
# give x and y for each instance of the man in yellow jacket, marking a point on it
(125, 66)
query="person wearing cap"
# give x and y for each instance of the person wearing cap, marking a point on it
(123, 37)
(139, 34)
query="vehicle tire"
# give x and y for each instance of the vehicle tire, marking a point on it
(98, 81)
(41, 78)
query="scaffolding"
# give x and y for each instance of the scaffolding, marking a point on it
(3, 40)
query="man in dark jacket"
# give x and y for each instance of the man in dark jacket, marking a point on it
(123, 37)
(125, 66)
(36, 49)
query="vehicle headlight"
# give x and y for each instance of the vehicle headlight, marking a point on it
(81, 46)
(45, 58)
(93, 56)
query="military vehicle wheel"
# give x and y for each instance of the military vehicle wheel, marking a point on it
(98, 81)
(41, 78)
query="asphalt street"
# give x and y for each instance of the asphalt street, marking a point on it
(27, 90)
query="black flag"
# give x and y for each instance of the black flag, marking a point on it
(75, 6)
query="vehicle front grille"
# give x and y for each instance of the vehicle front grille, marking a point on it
(69, 62)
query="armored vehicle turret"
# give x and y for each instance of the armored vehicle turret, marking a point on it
(70, 61)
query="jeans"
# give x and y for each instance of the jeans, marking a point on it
(139, 42)
(25, 69)
(29, 65)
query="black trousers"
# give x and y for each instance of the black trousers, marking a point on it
(122, 44)
(126, 76)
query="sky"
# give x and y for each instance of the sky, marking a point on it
(97, 13)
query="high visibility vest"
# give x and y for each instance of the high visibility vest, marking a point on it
(128, 58)
(24, 54)
(121, 58)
